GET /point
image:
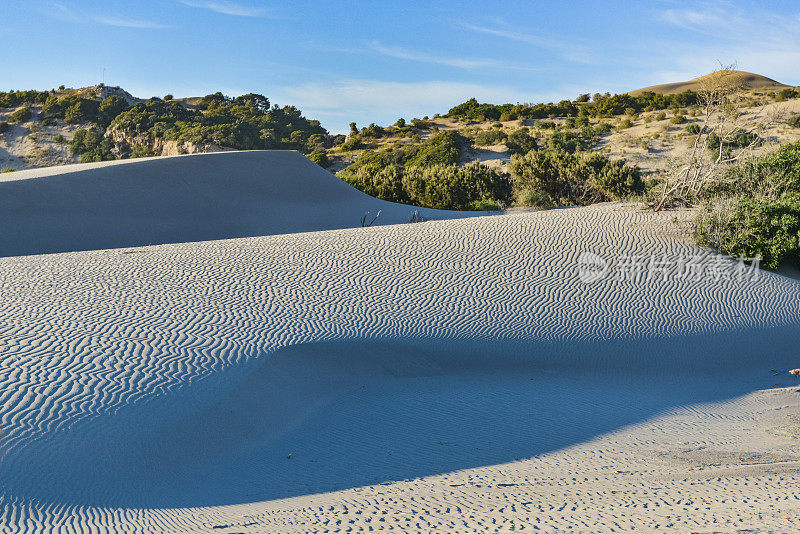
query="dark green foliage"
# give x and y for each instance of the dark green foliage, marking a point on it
(91, 145)
(739, 139)
(321, 159)
(422, 124)
(21, 115)
(566, 142)
(521, 142)
(750, 227)
(582, 98)
(452, 187)
(601, 106)
(677, 119)
(426, 175)
(441, 149)
(602, 127)
(794, 122)
(13, 99)
(755, 208)
(373, 131)
(692, 129)
(771, 176)
(74, 109)
(472, 110)
(141, 151)
(492, 136)
(436, 186)
(570, 179)
(546, 125)
(245, 123)
(60, 139)
(788, 93)
(353, 142)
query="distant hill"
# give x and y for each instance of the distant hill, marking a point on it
(748, 80)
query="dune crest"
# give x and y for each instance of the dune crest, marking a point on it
(178, 199)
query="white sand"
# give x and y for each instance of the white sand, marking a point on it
(452, 375)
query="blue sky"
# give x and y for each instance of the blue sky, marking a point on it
(374, 61)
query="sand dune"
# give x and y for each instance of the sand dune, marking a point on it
(747, 80)
(178, 199)
(453, 375)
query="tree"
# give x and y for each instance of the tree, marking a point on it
(723, 139)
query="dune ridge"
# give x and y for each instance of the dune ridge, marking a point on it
(175, 199)
(235, 384)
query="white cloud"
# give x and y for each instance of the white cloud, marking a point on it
(226, 8)
(129, 23)
(457, 62)
(758, 41)
(62, 12)
(569, 50)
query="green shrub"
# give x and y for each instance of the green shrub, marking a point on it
(692, 129)
(485, 205)
(570, 179)
(492, 136)
(533, 198)
(321, 159)
(452, 187)
(603, 127)
(794, 122)
(742, 226)
(353, 142)
(624, 124)
(769, 176)
(661, 116)
(58, 138)
(8, 169)
(788, 93)
(421, 124)
(677, 119)
(521, 142)
(91, 145)
(738, 139)
(141, 151)
(565, 142)
(21, 115)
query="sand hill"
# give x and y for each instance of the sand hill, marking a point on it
(746, 80)
(453, 375)
(178, 199)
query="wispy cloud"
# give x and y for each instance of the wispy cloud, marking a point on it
(62, 12)
(435, 59)
(226, 8)
(757, 40)
(569, 50)
(129, 23)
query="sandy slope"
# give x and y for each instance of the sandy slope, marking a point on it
(451, 374)
(179, 199)
(747, 80)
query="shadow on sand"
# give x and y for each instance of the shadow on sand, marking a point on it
(335, 415)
